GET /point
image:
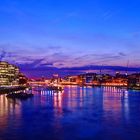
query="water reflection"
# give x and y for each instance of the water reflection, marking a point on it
(10, 113)
(75, 113)
(115, 104)
(9, 106)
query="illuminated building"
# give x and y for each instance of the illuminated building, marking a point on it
(9, 74)
(134, 81)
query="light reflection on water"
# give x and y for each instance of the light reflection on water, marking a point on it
(76, 113)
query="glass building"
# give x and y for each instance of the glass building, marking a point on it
(9, 74)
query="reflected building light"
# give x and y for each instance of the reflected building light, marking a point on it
(9, 107)
(57, 100)
(126, 94)
(126, 105)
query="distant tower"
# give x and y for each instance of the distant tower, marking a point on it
(101, 69)
(127, 67)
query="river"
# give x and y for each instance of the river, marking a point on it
(77, 113)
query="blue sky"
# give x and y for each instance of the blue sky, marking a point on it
(70, 33)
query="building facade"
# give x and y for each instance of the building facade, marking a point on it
(9, 74)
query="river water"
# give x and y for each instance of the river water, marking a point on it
(77, 113)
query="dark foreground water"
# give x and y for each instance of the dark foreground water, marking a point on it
(76, 114)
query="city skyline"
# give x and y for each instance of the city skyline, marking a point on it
(70, 35)
(70, 69)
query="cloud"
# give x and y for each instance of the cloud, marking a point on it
(52, 59)
(55, 57)
(2, 54)
(122, 54)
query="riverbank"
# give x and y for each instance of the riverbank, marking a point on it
(102, 85)
(134, 88)
(4, 90)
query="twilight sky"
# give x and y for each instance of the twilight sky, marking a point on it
(56, 34)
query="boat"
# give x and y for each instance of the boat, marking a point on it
(20, 95)
(54, 88)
